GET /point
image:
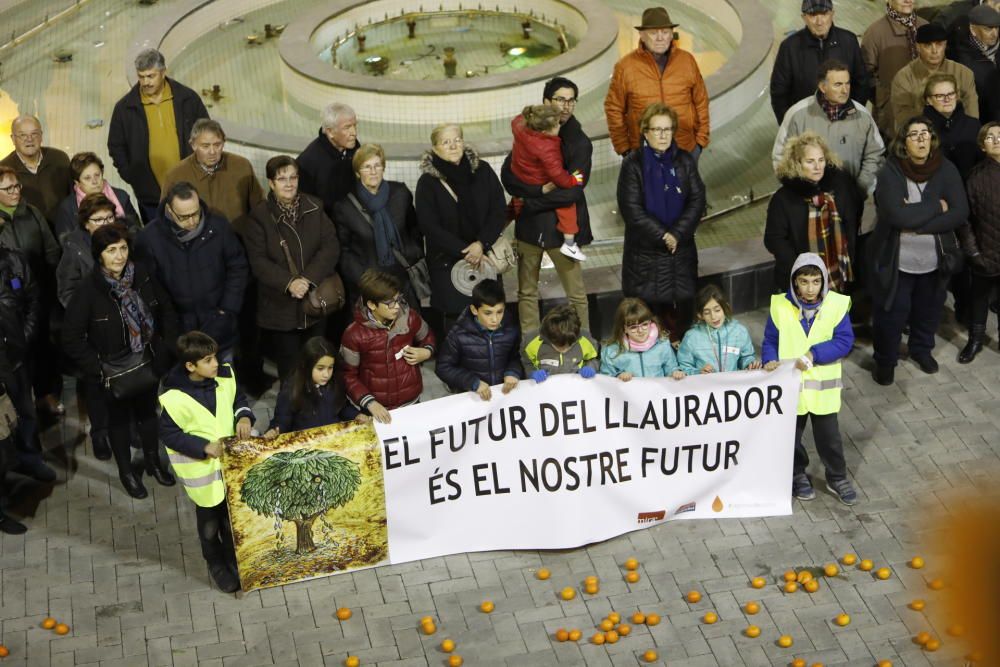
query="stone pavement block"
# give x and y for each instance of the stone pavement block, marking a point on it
(221, 650)
(725, 651)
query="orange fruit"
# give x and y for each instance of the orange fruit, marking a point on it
(49, 623)
(652, 619)
(448, 645)
(591, 580)
(632, 577)
(650, 656)
(849, 559)
(486, 607)
(4, 651)
(817, 664)
(455, 660)
(543, 573)
(611, 637)
(574, 635)
(352, 661)
(598, 638)
(866, 565)
(590, 589)
(804, 576)
(752, 631)
(883, 573)
(623, 630)
(975, 656)
(631, 564)
(568, 593)
(342, 614)
(562, 635)
(428, 628)
(936, 584)
(916, 562)
(932, 644)
(752, 608)
(790, 575)
(426, 619)
(614, 617)
(831, 570)
(638, 618)
(606, 625)
(791, 587)
(784, 641)
(758, 582)
(884, 663)
(811, 586)
(62, 629)
(693, 597)
(956, 630)
(799, 662)
(842, 619)
(710, 617)
(917, 605)
(922, 638)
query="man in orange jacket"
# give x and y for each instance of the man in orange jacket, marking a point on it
(657, 71)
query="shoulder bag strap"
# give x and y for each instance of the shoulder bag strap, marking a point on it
(288, 257)
(449, 189)
(361, 209)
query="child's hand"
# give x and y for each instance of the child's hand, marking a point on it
(754, 365)
(539, 376)
(379, 412)
(678, 374)
(708, 368)
(243, 428)
(484, 391)
(578, 176)
(213, 450)
(587, 372)
(509, 383)
(625, 377)
(415, 355)
(362, 418)
(771, 365)
(271, 433)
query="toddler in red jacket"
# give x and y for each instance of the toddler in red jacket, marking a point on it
(383, 348)
(537, 159)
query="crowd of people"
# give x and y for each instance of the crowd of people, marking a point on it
(164, 304)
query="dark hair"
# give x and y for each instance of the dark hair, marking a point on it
(807, 271)
(90, 205)
(81, 161)
(552, 85)
(898, 145)
(488, 292)
(378, 286)
(194, 346)
(180, 190)
(279, 162)
(712, 293)
(104, 236)
(303, 390)
(984, 132)
(8, 171)
(561, 325)
(830, 65)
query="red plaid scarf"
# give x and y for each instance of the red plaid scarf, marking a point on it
(827, 239)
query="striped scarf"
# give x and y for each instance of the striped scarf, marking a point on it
(988, 51)
(910, 23)
(827, 239)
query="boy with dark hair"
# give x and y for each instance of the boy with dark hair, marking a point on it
(560, 346)
(202, 405)
(484, 346)
(383, 348)
(810, 324)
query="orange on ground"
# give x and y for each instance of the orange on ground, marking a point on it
(791, 587)
(884, 663)
(752, 631)
(883, 573)
(4, 651)
(866, 565)
(918, 605)
(487, 606)
(758, 582)
(650, 656)
(799, 662)
(428, 628)
(932, 644)
(638, 618)
(784, 641)
(916, 562)
(790, 575)
(956, 630)
(922, 638)
(831, 570)
(574, 635)
(652, 619)
(849, 559)
(342, 614)
(455, 661)
(804, 576)
(751, 608)
(710, 617)
(816, 664)
(562, 635)
(591, 580)
(631, 564)
(62, 629)
(811, 586)
(606, 625)
(543, 573)
(842, 619)
(936, 584)
(568, 593)
(598, 638)
(623, 630)
(352, 661)
(693, 597)
(49, 623)
(614, 617)
(448, 645)
(632, 577)
(611, 637)
(591, 589)
(426, 619)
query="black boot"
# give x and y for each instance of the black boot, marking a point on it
(10, 526)
(223, 576)
(975, 345)
(155, 467)
(133, 484)
(102, 448)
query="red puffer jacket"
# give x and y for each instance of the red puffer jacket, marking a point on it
(536, 157)
(371, 370)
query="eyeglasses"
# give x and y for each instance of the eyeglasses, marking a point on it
(400, 300)
(451, 143)
(372, 168)
(661, 131)
(941, 97)
(12, 189)
(914, 136)
(24, 136)
(640, 326)
(104, 220)
(564, 101)
(183, 217)
(992, 138)
(285, 180)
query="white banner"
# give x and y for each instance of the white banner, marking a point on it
(574, 461)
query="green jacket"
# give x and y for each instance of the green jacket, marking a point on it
(539, 354)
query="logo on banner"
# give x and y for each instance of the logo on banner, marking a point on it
(717, 504)
(651, 517)
(687, 507)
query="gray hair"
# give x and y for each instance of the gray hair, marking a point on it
(206, 125)
(149, 59)
(333, 112)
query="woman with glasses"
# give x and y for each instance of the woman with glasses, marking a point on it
(296, 221)
(913, 250)
(461, 210)
(377, 225)
(88, 179)
(662, 198)
(981, 237)
(956, 129)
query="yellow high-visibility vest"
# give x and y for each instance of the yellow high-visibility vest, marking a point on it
(202, 478)
(821, 384)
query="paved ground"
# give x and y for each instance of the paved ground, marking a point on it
(129, 578)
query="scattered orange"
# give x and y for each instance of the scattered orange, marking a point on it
(784, 641)
(650, 656)
(922, 638)
(758, 582)
(614, 617)
(884, 663)
(849, 559)
(652, 619)
(710, 617)
(49, 623)
(631, 564)
(842, 619)
(932, 644)
(799, 662)
(817, 664)
(568, 593)
(975, 656)
(562, 635)
(4, 651)
(342, 614)
(811, 586)
(598, 638)
(623, 630)
(956, 630)
(62, 629)
(752, 631)
(606, 625)
(866, 565)
(574, 635)
(693, 597)
(455, 661)
(591, 580)
(936, 584)
(448, 645)
(591, 589)
(426, 619)
(831, 570)
(917, 605)
(352, 661)
(752, 608)
(883, 573)
(486, 607)
(638, 618)
(804, 576)
(790, 575)
(632, 577)
(543, 573)
(791, 587)
(611, 637)
(916, 562)
(428, 628)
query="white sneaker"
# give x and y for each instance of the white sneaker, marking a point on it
(573, 252)
(547, 262)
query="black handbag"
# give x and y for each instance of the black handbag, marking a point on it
(417, 273)
(951, 259)
(129, 374)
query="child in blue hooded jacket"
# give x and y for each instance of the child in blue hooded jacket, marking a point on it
(717, 343)
(638, 347)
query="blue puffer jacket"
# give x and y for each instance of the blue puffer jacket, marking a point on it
(658, 361)
(470, 353)
(728, 348)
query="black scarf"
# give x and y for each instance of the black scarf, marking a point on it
(462, 179)
(921, 173)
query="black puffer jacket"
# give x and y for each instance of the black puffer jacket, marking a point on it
(786, 233)
(205, 277)
(325, 172)
(28, 232)
(958, 137)
(982, 235)
(470, 353)
(94, 328)
(20, 306)
(649, 270)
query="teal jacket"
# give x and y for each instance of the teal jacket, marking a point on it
(727, 348)
(658, 361)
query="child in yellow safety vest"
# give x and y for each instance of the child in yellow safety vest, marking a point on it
(810, 325)
(201, 405)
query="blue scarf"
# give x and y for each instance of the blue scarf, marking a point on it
(664, 197)
(386, 234)
(135, 313)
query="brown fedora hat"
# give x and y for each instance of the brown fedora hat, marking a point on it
(656, 17)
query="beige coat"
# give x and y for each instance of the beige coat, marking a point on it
(232, 191)
(885, 50)
(907, 98)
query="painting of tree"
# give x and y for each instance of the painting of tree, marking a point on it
(300, 486)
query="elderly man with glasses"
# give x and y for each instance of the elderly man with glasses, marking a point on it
(43, 171)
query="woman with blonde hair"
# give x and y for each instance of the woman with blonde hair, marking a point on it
(815, 210)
